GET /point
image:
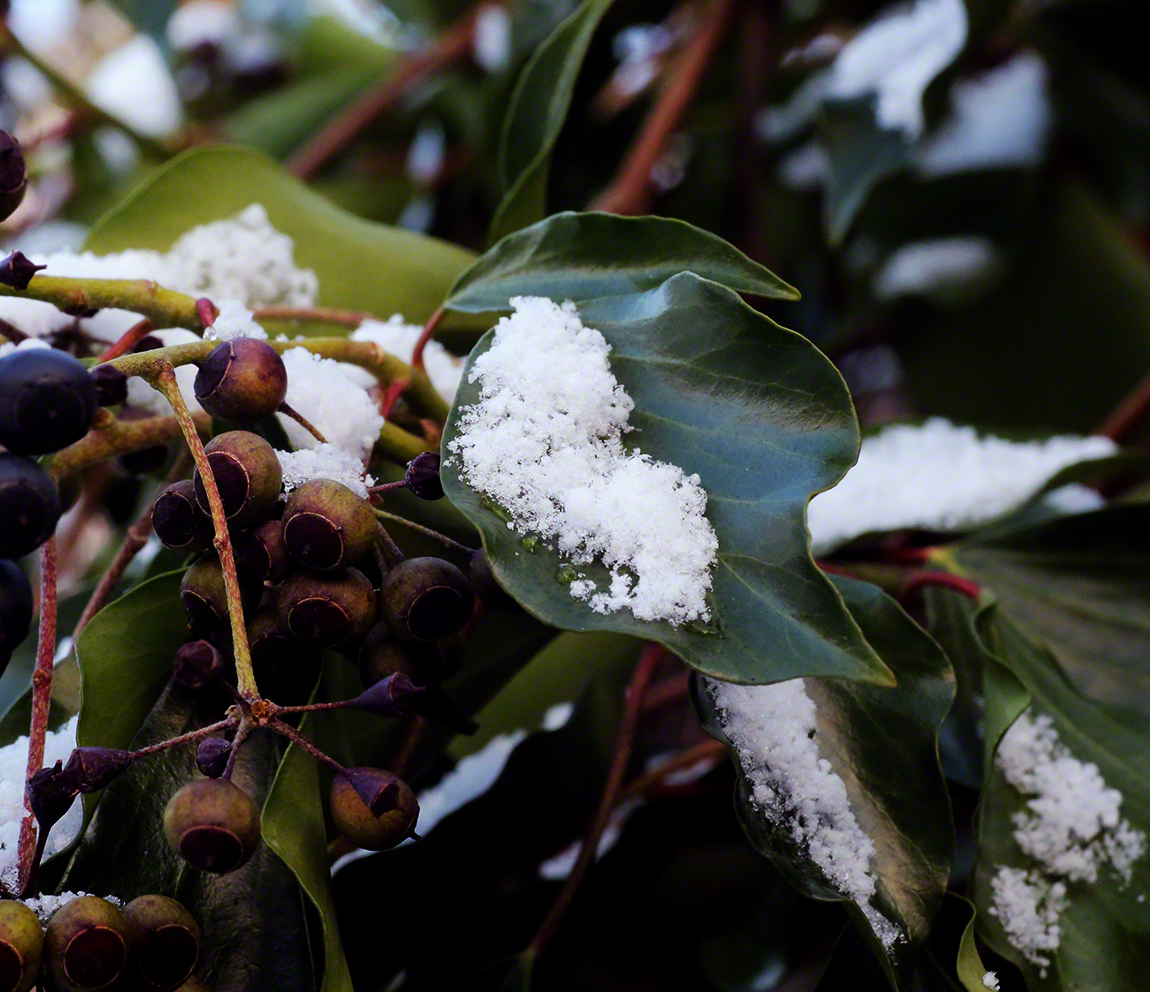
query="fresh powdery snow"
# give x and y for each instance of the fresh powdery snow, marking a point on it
(58, 745)
(1071, 827)
(545, 441)
(320, 390)
(45, 906)
(939, 476)
(399, 338)
(990, 980)
(774, 730)
(324, 461)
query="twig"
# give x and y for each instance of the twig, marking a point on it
(191, 735)
(649, 660)
(165, 381)
(289, 411)
(429, 330)
(300, 741)
(110, 437)
(75, 96)
(703, 751)
(164, 307)
(41, 705)
(434, 534)
(918, 581)
(630, 191)
(390, 549)
(324, 315)
(134, 542)
(1125, 418)
(132, 337)
(394, 391)
(452, 46)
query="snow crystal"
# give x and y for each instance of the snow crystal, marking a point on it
(143, 396)
(897, 56)
(939, 477)
(1071, 826)
(398, 338)
(940, 268)
(58, 746)
(1029, 906)
(545, 442)
(774, 730)
(1001, 118)
(990, 980)
(341, 411)
(324, 461)
(45, 906)
(119, 79)
(234, 321)
(492, 44)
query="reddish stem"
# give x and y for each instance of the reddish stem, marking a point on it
(324, 315)
(708, 750)
(184, 738)
(41, 704)
(651, 657)
(207, 311)
(394, 391)
(429, 330)
(630, 191)
(452, 46)
(918, 581)
(131, 337)
(1125, 418)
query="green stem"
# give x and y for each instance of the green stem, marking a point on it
(110, 437)
(399, 445)
(165, 381)
(163, 307)
(434, 534)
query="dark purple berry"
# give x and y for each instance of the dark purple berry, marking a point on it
(49, 796)
(90, 769)
(15, 608)
(248, 475)
(392, 696)
(327, 526)
(198, 664)
(261, 554)
(47, 401)
(329, 609)
(213, 825)
(13, 177)
(212, 756)
(373, 808)
(242, 380)
(424, 599)
(177, 519)
(17, 269)
(422, 476)
(111, 385)
(285, 668)
(29, 506)
(86, 945)
(205, 597)
(166, 942)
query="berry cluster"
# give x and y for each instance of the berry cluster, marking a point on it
(151, 945)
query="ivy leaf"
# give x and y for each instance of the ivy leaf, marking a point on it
(766, 422)
(1080, 584)
(882, 743)
(1104, 929)
(361, 265)
(535, 117)
(580, 256)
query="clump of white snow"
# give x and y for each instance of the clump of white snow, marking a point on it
(7, 347)
(774, 730)
(143, 396)
(234, 321)
(939, 477)
(399, 339)
(321, 391)
(58, 746)
(119, 81)
(990, 980)
(324, 461)
(45, 906)
(545, 442)
(1071, 826)
(897, 56)
(942, 269)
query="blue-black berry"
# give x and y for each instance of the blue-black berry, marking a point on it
(47, 401)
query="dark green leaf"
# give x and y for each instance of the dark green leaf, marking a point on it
(1105, 929)
(1080, 584)
(535, 117)
(149, 15)
(573, 256)
(364, 266)
(765, 421)
(882, 744)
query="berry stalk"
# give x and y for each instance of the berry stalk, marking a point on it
(164, 307)
(110, 437)
(165, 381)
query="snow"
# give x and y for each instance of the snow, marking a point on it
(398, 338)
(774, 730)
(897, 56)
(939, 476)
(425, 156)
(492, 43)
(324, 461)
(1071, 826)
(202, 22)
(234, 321)
(144, 397)
(133, 84)
(998, 120)
(941, 268)
(7, 348)
(322, 392)
(990, 980)
(545, 441)
(40, 24)
(45, 906)
(58, 746)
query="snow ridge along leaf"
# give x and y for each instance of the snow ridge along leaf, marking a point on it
(765, 421)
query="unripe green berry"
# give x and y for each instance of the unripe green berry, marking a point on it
(205, 598)
(177, 519)
(248, 475)
(242, 380)
(424, 599)
(327, 526)
(330, 608)
(166, 942)
(21, 944)
(86, 945)
(213, 825)
(355, 819)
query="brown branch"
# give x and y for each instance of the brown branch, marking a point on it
(132, 337)
(649, 660)
(429, 329)
(290, 411)
(41, 704)
(703, 751)
(324, 315)
(630, 191)
(452, 46)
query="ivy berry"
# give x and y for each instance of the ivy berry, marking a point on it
(242, 380)
(424, 599)
(47, 401)
(86, 945)
(29, 506)
(213, 825)
(21, 944)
